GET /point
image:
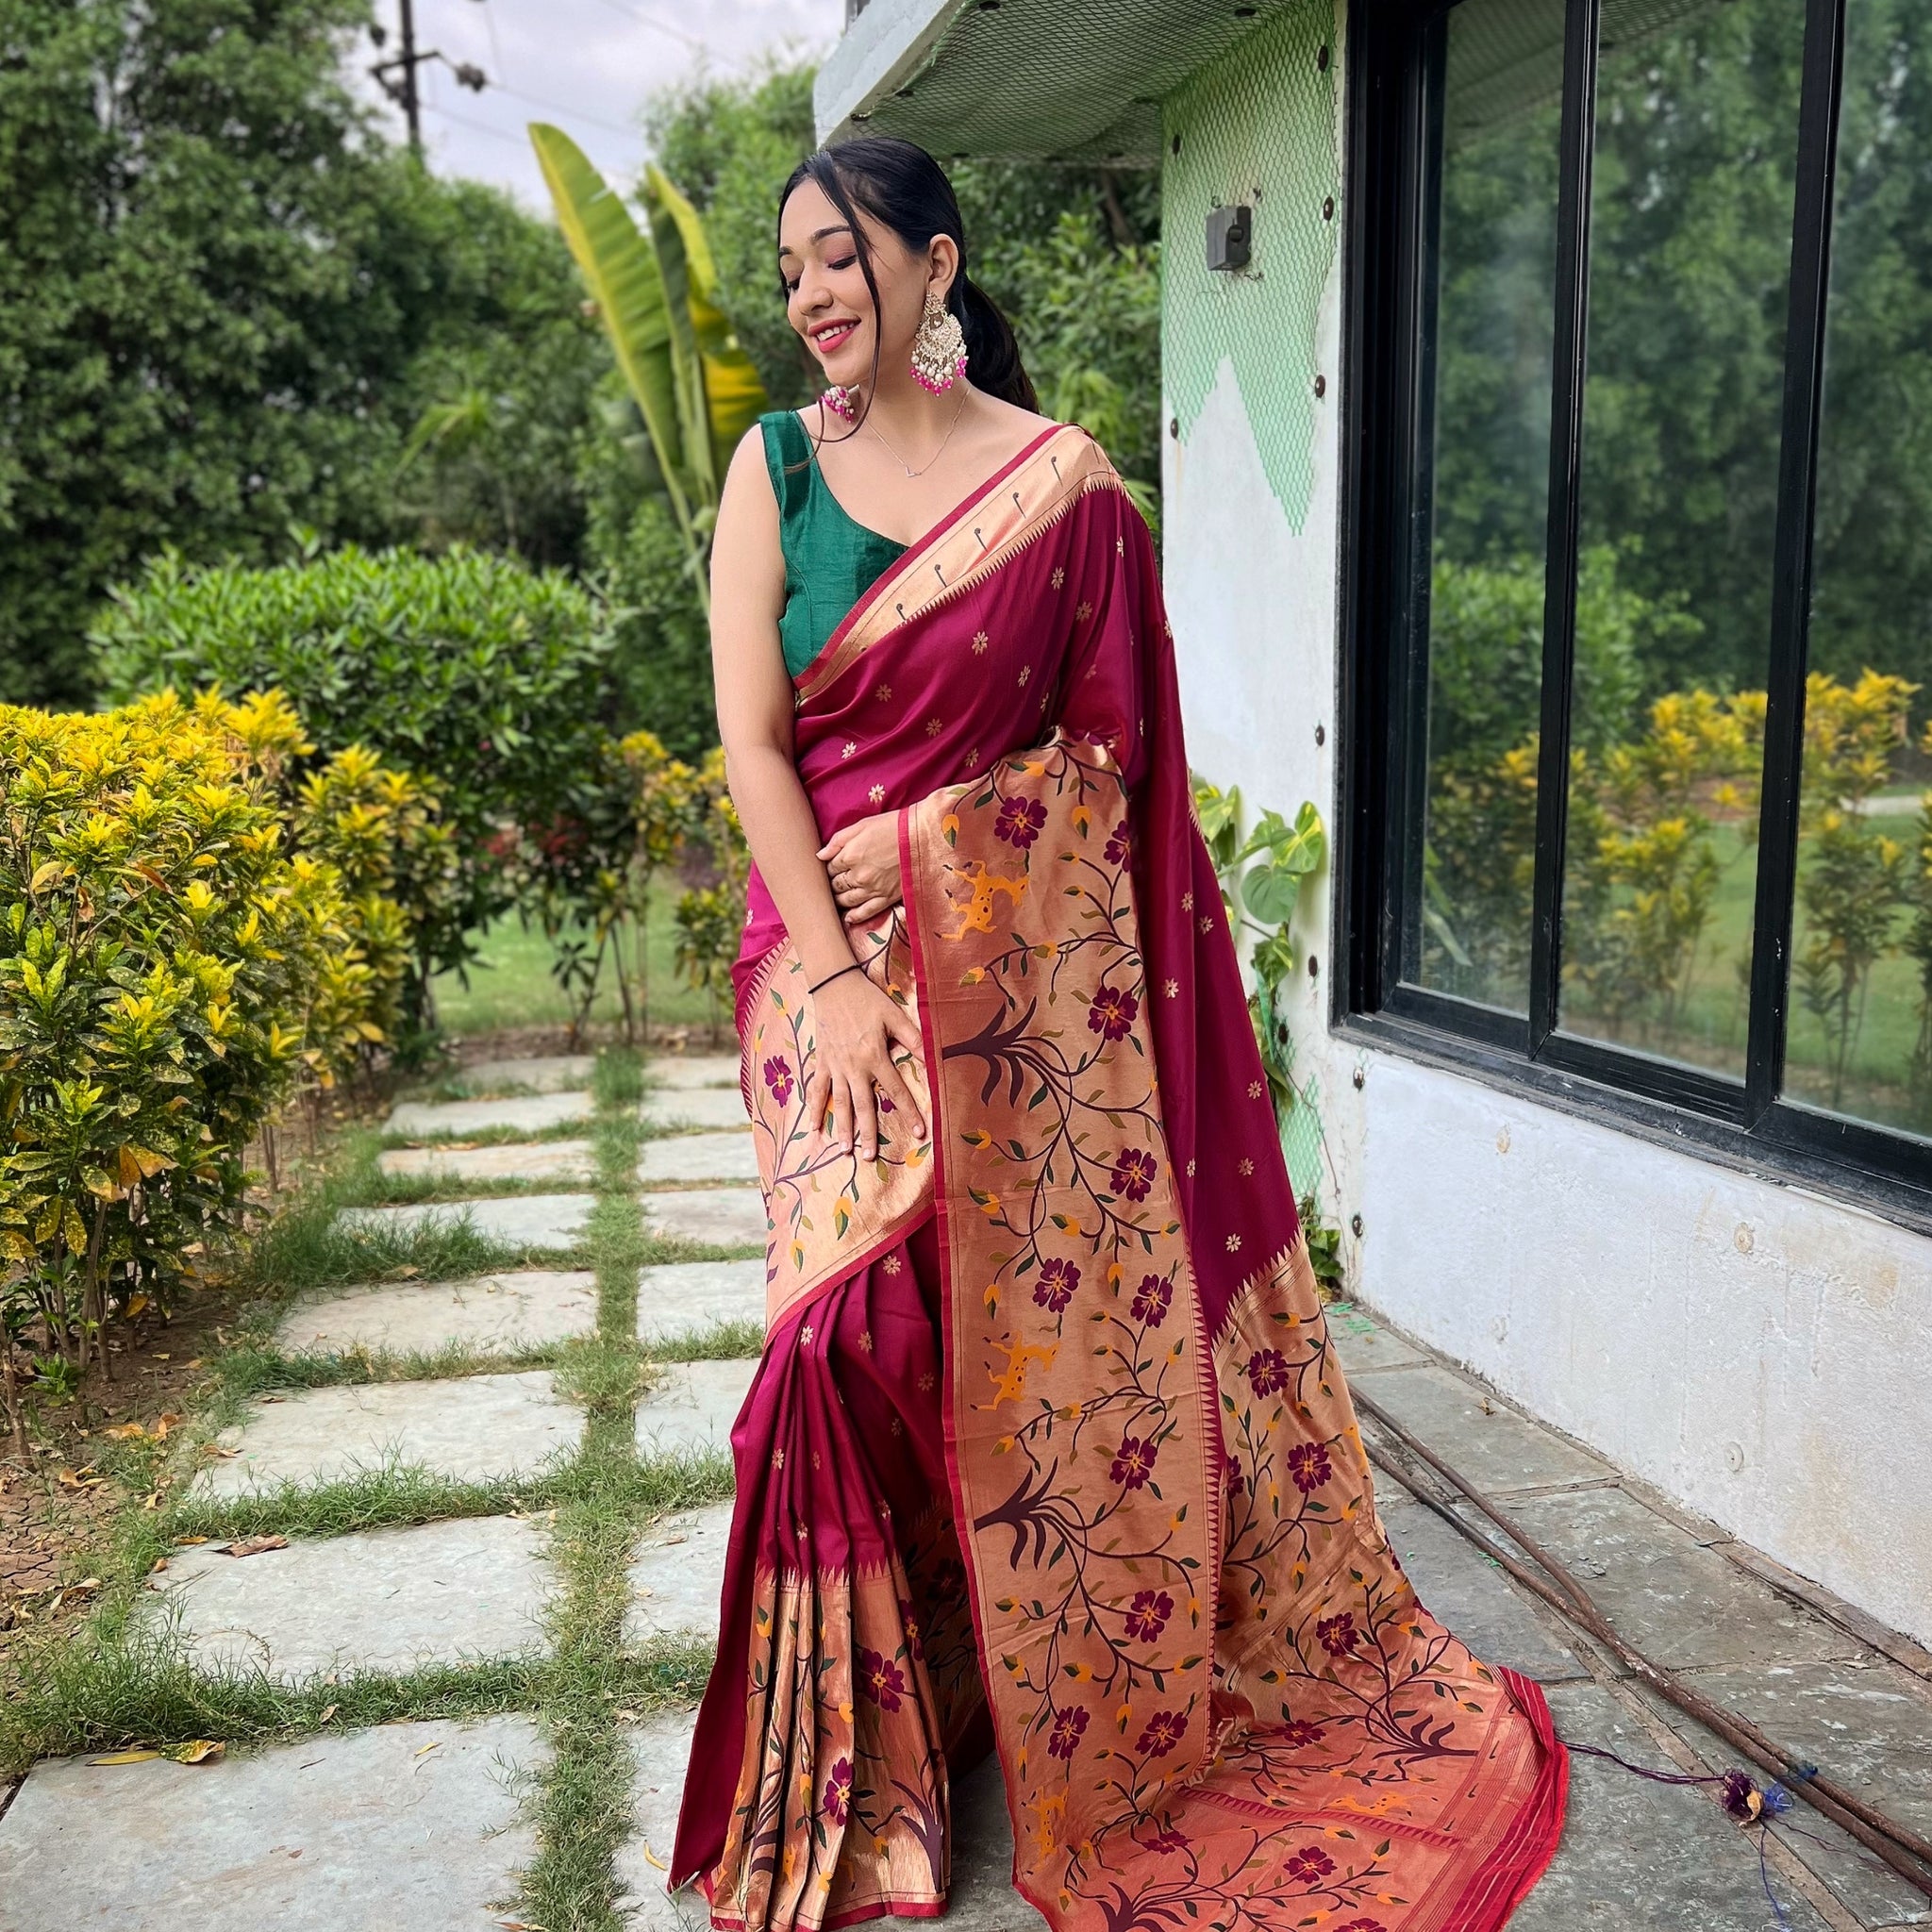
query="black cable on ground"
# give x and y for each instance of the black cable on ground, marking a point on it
(1903, 1849)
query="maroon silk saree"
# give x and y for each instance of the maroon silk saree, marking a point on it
(1049, 1449)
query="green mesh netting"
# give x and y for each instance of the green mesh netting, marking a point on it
(1301, 1140)
(1261, 125)
(1061, 80)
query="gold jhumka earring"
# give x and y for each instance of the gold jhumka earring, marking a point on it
(939, 350)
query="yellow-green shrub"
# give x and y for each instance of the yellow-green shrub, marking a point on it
(172, 965)
(381, 832)
(711, 918)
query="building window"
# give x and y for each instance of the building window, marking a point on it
(1640, 599)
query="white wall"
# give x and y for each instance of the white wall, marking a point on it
(1757, 1353)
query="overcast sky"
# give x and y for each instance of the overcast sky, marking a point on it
(587, 66)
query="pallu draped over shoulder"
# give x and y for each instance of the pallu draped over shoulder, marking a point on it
(1049, 1450)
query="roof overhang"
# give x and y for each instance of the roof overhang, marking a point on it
(1070, 80)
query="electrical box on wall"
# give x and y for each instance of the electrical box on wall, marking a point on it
(1230, 232)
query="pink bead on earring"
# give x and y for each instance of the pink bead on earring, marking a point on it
(837, 399)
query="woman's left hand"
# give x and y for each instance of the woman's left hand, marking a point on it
(863, 864)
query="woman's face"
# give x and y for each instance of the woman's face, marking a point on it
(827, 300)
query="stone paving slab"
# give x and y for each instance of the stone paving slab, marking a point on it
(698, 1158)
(519, 1221)
(685, 1071)
(719, 1217)
(1462, 1587)
(1868, 1726)
(695, 1107)
(1683, 1605)
(688, 1297)
(1364, 1344)
(677, 1575)
(399, 1825)
(660, 1753)
(510, 1161)
(692, 1403)
(475, 1428)
(1499, 1451)
(528, 1113)
(983, 1898)
(374, 1599)
(546, 1072)
(1638, 1856)
(525, 1310)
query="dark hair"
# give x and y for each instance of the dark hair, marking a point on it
(901, 185)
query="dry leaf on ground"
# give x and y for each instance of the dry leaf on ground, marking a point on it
(254, 1545)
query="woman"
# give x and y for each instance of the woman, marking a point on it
(1048, 1450)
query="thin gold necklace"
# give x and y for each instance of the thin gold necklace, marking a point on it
(959, 411)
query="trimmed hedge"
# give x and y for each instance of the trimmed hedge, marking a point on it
(491, 682)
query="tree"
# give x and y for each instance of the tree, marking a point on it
(499, 390)
(225, 301)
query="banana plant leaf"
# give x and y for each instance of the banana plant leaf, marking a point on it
(733, 397)
(687, 364)
(625, 279)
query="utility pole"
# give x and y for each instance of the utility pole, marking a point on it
(413, 100)
(396, 77)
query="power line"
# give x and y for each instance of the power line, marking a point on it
(495, 48)
(663, 26)
(474, 126)
(517, 93)
(457, 120)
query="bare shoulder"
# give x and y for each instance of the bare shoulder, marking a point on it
(1010, 427)
(750, 453)
(1075, 453)
(748, 478)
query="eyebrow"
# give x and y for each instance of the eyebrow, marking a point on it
(819, 235)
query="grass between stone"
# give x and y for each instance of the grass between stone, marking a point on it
(126, 1680)
(305, 1248)
(581, 1804)
(485, 1137)
(439, 1189)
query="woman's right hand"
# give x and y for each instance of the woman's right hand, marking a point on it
(853, 1069)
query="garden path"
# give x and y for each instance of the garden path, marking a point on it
(506, 1505)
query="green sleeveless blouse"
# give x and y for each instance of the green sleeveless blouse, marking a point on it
(831, 561)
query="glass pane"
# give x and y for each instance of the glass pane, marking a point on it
(1501, 104)
(1859, 1040)
(1690, 227)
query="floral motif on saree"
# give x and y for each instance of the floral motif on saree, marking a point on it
(1129, 1448)
(827, 1210)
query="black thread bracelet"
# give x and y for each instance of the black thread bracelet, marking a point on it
(855, 967)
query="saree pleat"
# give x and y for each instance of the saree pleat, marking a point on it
(1049, 1449)
(859, 1664)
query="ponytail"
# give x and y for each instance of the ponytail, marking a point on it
(901, 185)
(992, 353)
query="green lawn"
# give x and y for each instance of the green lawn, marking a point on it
(511, 984)
(1711, 1027)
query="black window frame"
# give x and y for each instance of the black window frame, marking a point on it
(1389, 246)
